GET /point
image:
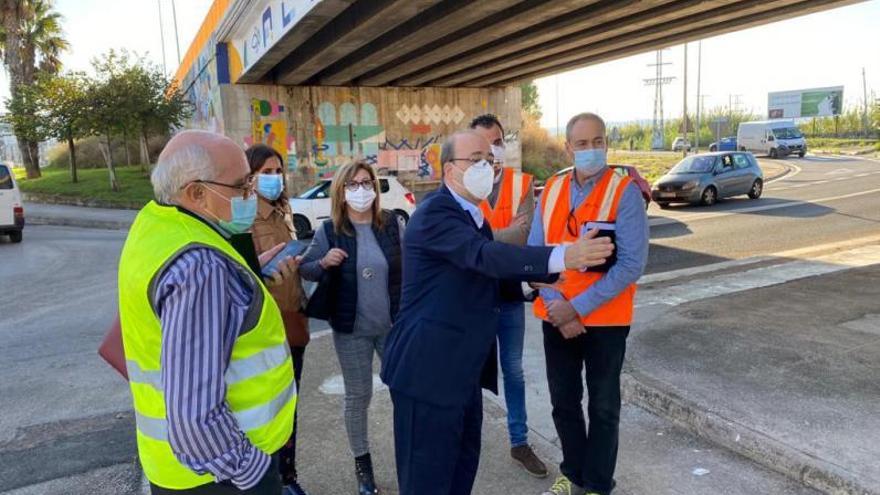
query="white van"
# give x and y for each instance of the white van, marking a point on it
(774, 138)
(11, 209)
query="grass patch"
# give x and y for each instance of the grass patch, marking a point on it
(844, 146)
(652, 165)
(93, 186)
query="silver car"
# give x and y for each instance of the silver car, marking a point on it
(706, 178)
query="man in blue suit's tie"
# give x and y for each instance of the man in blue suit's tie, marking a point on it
(454, 280)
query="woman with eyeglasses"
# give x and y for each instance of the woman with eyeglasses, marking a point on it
(272, 226)
(357, 253)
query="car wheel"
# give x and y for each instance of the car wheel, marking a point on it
(757, 189)
(663, 205)
(709, 196)
(713, 149)
(404, 215)
(774, 153)
(302, 226)
(15, 236)
(742, 148)
(801, 154)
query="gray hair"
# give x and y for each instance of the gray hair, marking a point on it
(582, 116)
(178, 168)
(447, 151)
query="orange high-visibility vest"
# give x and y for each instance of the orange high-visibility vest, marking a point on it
(600, 206)
(512, 193)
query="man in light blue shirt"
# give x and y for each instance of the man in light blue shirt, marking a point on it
(577, 333)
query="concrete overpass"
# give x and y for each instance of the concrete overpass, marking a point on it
(327, 80)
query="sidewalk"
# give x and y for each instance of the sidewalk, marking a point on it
(739, 368)
(78, 216)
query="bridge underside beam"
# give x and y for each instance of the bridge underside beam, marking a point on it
(447, 43)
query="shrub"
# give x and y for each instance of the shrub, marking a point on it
(88, 153)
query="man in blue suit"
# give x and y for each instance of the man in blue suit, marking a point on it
(442, 342)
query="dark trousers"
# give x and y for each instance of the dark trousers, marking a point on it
(287, 454)
(589, 456)
(269, 485)
(437, 448)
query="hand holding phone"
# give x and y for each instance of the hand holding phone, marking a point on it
(293, 249)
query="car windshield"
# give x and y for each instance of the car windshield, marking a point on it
(694, 165)
(5, 178)
(313, 191)
(787, 133)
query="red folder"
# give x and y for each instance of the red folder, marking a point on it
(111, 348)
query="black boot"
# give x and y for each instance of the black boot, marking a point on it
(363, 468)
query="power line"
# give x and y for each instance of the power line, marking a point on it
(162, 36)
(176, 37)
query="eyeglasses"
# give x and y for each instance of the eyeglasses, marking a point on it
(246, 186)
(490, 158)
(353, 185)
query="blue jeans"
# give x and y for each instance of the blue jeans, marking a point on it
(511, 332)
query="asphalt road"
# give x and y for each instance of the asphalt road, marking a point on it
(828, 199)
(60, 412)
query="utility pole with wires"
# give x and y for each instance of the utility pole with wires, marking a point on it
(162, 36)
(176, 37)
(684, 109)
(865, 90)
(699, 96)
(657, 140)
(556, 79)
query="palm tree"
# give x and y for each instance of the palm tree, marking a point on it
(31, 42)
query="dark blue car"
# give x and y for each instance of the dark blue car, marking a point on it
(727, 144)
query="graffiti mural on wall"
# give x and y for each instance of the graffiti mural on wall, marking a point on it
(345, 132)
(421, 157)
(269, 126)
(269, 22)
(428, 114)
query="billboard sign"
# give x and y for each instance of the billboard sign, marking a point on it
(818, 102)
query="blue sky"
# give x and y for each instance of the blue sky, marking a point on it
(825, 49)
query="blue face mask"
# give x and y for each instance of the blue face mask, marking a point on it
(243, 213)
(269, 186)
(590, 162)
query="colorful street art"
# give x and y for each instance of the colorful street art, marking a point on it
(269, 22)
(269, 126)
(427, 114)
(346, 132)
(421, 157)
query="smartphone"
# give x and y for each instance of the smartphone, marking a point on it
(293, 249)
(606, 229)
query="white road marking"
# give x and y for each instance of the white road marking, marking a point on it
(782, 256)
(838, 171)
(656, 222)
(759, 277)
(697, 270)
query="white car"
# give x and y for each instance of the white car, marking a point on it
(11, 209)
(312, 207)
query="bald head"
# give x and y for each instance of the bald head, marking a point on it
(192, 156)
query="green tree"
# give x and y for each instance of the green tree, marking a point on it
(31, 42)
(530, 104)
(66, 107)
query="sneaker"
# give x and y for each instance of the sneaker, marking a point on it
(563, 486)
(524, 455)
(293, 489)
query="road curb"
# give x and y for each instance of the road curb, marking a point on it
(658, 398)
(84, 223)
(788, 169)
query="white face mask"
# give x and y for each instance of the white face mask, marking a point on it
(360, 200)
(498, 153)
(479, 179)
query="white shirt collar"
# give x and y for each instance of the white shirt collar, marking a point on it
(474, 210)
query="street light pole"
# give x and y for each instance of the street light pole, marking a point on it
(176, 37)
(865, 89)
(162, 36)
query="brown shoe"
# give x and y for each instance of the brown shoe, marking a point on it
(529, 461)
